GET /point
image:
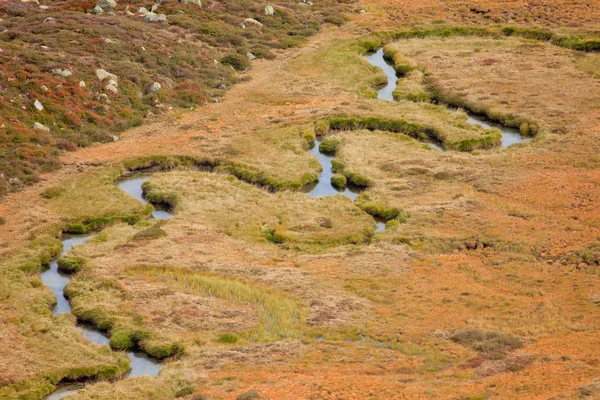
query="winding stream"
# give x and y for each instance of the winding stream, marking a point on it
(510, 136)
(323, 186)
(55, 280)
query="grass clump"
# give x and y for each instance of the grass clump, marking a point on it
(228, 338)
(70, 264)
(339, 181)
(402, 65)
(378, 209)
(329, 146)
(150, 234)
(280, 316)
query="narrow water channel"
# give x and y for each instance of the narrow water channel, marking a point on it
(141, 364)
(509, 135)
(323, 186)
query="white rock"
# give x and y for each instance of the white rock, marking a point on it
(111, 41)
(38, 106)
(102, 74)
(196, 2)
(153, 17)
(115, 138)
(81, 84)
(106, 5)
(269, 10)
(143, 10)
(50, 20)
(64, 72)
(250, 56)
(154, 8)
(112, 88)
(44, 88)
(44, 7)
(251, 22)
(113, 82)
(153, 87)
(104, 97)
(98, 10)
(41, 127)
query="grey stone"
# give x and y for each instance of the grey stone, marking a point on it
(98, 10)
(106, 5)
(102, 74)
(38, 106)
(269, 10)
(250, 56)
(153, 87)
(153, 17)
(196, 2)
(40, 127)
(64, 72)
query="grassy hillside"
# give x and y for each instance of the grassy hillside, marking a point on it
(51, 54)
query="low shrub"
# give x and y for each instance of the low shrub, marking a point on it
(237, 61)
(227, 338)
(492, 345)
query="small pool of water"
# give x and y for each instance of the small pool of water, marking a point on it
(324, 187)
(377, 59)
(510, 136)
(133, 185)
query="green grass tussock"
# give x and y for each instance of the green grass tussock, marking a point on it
(70, 264)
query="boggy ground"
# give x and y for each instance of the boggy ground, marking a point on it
(484, 284)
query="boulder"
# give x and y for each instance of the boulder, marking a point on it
(153, 87)
(251, 22)
(41, 127)
(64, 72)
(153, 17)
(269, 10)
(102, 74)
(196, 2)
(112, 87)
(38, 106)
(106, 5)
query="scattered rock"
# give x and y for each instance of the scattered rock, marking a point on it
(251, 22)
(111, 41)
(106, 5)
(362, 12)
(41, 127)
(250, 56)
(196, 2)
(98, 10)
(154, 7)
(104, 97)
(112, 14)
(102, 74)
(81, 84)
(50, 20)
(38, 106)
(64, 72)
(269, 10)
(153, 87)
(153, 17)
(222, 87)
(112, 86)
(115, 138)
(44, 8)
(44, 88)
